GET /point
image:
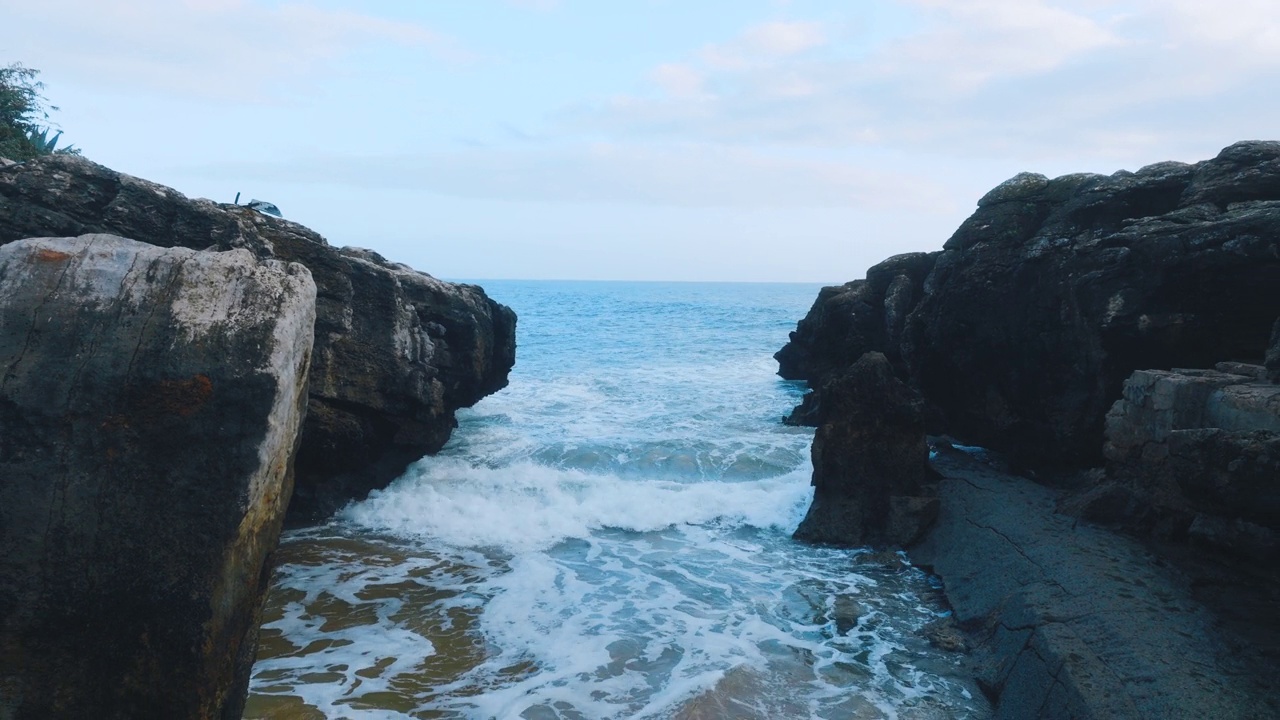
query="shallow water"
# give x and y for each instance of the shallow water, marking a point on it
(609, 537)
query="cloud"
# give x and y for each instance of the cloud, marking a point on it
(1249, 29)
(684, 176)
(1111, 80)
(206, 48)
(679, 80)
(969, 44)
(540, 5)
(767, 42)
(784, 38)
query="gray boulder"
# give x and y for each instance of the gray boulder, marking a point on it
(150, 405)
(397, 351)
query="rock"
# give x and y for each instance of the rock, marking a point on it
(1273, 354)
(1193, 454)
(397, 352)
(150, 402)
(1248, 370)
(945, 634)
(1068, 620)
(848, 321)
(846, 611)
(1040, 306)
(870, 461)
(1054, 291)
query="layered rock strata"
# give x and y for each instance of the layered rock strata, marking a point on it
(1053, 292)
(150, 405)
(397, 352)
(871, 476)
(1194, 454)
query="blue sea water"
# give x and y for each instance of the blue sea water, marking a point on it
(608, 537)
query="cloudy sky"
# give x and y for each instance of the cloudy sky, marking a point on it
(798, 140)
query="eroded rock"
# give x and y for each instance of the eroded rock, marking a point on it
(1054, 291)
(397, 351)
(150, 402)
(848, 321)
(871, 471)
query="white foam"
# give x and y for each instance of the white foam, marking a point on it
(612, 537)
(336, 663)
(528, 507)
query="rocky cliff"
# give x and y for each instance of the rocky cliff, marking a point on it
(150, 405)
(397, 352)
(1046, 330)
(1022, 330)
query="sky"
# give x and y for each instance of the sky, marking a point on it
(743, 140)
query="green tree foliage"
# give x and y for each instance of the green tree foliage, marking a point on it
(25, 131)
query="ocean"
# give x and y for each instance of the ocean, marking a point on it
(608, 537)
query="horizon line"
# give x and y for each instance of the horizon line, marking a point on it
(471, 280)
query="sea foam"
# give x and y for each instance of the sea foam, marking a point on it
(526, 507)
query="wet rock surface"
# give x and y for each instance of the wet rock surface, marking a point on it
(150, 402)
(1071, 620)
(871, 476)
(397, 352)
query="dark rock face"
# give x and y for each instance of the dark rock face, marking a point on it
(847, 321)
(1273, 354)
(1054, 291)
(150, 404)
(1194, 454)
(870, 461)
(397, 351)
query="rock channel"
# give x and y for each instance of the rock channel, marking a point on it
(177, 376)
(1047, 330)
